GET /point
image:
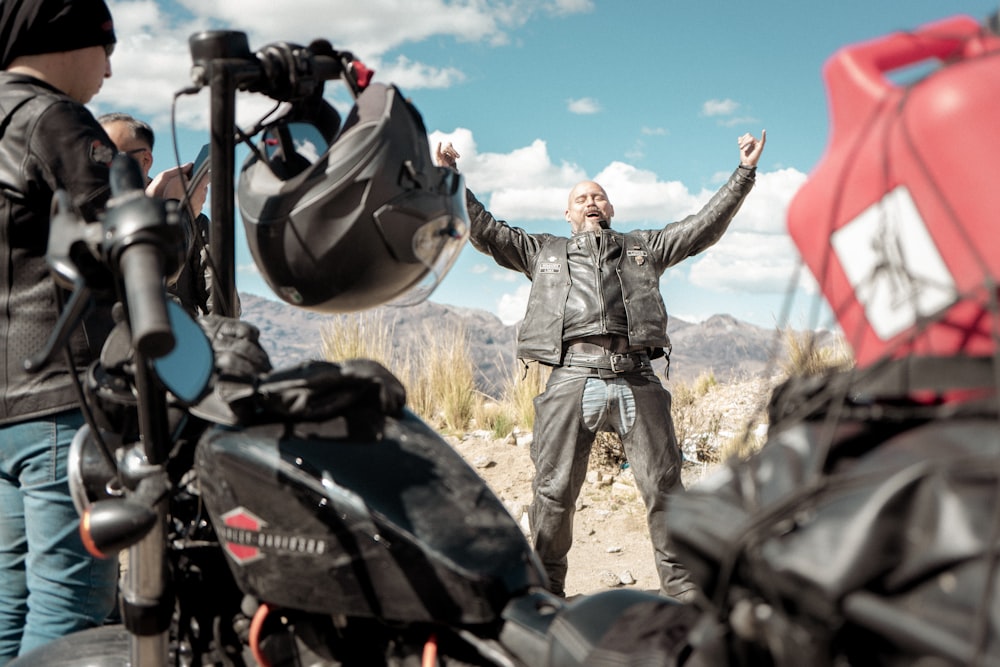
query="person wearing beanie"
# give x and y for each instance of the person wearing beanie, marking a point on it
(55, 54)
(36, 27)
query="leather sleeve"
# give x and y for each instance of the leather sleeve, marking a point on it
(68, 149)
(511, 247)
(696, 233)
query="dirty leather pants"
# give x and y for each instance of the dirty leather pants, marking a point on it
(637, 407)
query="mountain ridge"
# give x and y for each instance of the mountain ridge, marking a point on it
(722, 345)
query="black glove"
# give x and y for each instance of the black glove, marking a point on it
(319, 390)
(236, 343)
(391, 394)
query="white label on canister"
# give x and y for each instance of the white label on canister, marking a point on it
(891, 261)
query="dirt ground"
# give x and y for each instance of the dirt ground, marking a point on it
(611, 546)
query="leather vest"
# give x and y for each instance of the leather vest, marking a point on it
(627, 296)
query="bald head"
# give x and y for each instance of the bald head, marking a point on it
(588, 208)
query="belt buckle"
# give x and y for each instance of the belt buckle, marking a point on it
(622, 363)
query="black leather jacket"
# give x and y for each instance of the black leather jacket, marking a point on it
(639, 257)
(47, 142)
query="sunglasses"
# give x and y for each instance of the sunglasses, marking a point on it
(109, 49)
(134, 151)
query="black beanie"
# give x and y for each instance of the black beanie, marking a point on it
(30, 27)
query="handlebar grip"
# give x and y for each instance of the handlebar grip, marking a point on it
(142, 271)
(327, 67)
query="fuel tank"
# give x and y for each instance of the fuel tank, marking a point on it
(396, 527)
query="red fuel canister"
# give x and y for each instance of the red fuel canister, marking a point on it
(899, 220)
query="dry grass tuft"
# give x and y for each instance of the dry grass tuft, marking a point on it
(516, 407)
(741, 446)
(439, 375)
(358, 336)
(696, 428)
(805, 357)
(608, 453)
(437, 371)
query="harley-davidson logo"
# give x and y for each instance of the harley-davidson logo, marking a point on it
(638, 255)
(244, 538)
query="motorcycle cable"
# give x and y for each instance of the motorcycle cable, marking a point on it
(88, 414)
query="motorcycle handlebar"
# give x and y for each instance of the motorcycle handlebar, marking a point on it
(284, 71)
(289, 71)
(137, 236)
(142, 270)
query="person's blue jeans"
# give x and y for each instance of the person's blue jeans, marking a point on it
(49, 585)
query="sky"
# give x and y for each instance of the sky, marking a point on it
(647, 97)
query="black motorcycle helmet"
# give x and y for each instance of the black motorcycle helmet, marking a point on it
(340, 222)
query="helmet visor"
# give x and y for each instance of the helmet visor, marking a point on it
(436, 245)
(292, 147)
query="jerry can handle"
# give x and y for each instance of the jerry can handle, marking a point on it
(868, 62)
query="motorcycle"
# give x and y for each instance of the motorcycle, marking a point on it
(303, 516)
(297, 516)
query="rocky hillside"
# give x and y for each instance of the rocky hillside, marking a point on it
(726, 347)
(291, 335)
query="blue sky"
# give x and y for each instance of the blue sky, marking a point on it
(645, 96)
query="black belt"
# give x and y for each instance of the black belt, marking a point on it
(617, 363)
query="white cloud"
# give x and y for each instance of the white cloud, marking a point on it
(746, 261)
(249, 270)
(409, 75)
(724, 107)
(572, 6)
(524, 204)
(511, 307)
(637, 152)
(369, 29)
(641, 199)
(150, 63)
(506, 276)
(374, 27)
(756, 254)
(526, 185)
(153, 60)
(737, 121)
(583, 106)
(527, 170)
(766, 208)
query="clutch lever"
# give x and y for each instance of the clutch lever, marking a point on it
(68, 319)
(74, 264)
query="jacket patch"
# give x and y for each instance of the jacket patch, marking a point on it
(549, 267)
(637, 254)
(101, 153)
